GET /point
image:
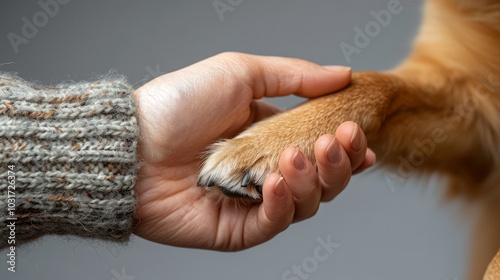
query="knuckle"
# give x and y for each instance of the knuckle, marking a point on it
(238, 64)
(232, 57)
(337, 179)
(296, 77)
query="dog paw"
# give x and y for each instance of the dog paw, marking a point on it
(239, 166)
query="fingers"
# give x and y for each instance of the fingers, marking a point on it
(337, 158)
(296, 196)
(370, 159)
(279, 76)
(353, 140)
(302, 180)
(334, 166)
(275, 213)
(341, 156)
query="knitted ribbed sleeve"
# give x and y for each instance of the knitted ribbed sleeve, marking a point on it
(67, 159)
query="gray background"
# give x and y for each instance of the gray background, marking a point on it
(384, 233)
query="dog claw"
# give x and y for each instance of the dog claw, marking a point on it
(231, 194)
(245, 180)
(211, 183)
(258, 188)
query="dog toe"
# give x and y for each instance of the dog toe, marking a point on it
(238, 168)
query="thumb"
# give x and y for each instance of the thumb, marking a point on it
(280, 76)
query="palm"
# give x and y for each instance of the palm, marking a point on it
(175, 210)
(171, 209)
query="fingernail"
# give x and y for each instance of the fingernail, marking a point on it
(356, 140)
(333, 152)
(279, 188)
(337, 68)
(298, 160)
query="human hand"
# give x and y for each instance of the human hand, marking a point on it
(183, 112)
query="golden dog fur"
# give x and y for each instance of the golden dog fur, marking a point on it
(443, 101)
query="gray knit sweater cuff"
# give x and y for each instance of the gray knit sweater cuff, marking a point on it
(67, 159)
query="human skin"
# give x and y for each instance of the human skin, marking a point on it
(183, 112)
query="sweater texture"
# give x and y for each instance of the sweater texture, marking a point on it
(67, 159)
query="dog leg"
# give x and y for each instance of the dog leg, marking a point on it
(398, 114)
(240, 165)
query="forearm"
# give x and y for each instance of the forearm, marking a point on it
(74, 151)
